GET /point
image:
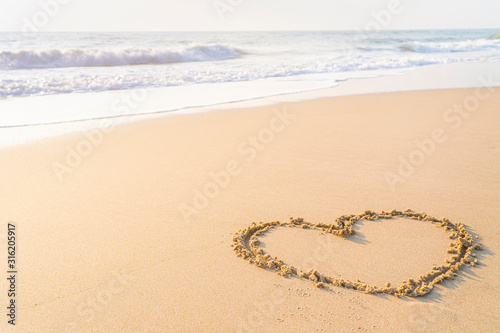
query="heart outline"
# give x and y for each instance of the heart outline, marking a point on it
(246, 245)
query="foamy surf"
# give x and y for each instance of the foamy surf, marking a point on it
(53, 58)
(96, 79)
(67, 63)
(448, 47)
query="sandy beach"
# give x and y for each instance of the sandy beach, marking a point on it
(129, 228)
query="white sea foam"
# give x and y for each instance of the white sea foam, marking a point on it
(96, 79)
(196, 69)
(447, 47)
(65, 63)
(53, 58)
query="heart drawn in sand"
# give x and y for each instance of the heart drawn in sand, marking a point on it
(246, 245)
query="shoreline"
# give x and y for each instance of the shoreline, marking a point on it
(136, 235)
(131, 106)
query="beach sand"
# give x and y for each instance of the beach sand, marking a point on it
(135, 236)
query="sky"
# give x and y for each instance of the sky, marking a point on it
(222, 15)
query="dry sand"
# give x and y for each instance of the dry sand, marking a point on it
(125, 242)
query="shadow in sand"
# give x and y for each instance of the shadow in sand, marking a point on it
(435, 296)
(358, 237)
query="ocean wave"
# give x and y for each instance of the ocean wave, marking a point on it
(94, 80)
(35, 59)
(446, 47)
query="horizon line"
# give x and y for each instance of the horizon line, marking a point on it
(283, 30)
